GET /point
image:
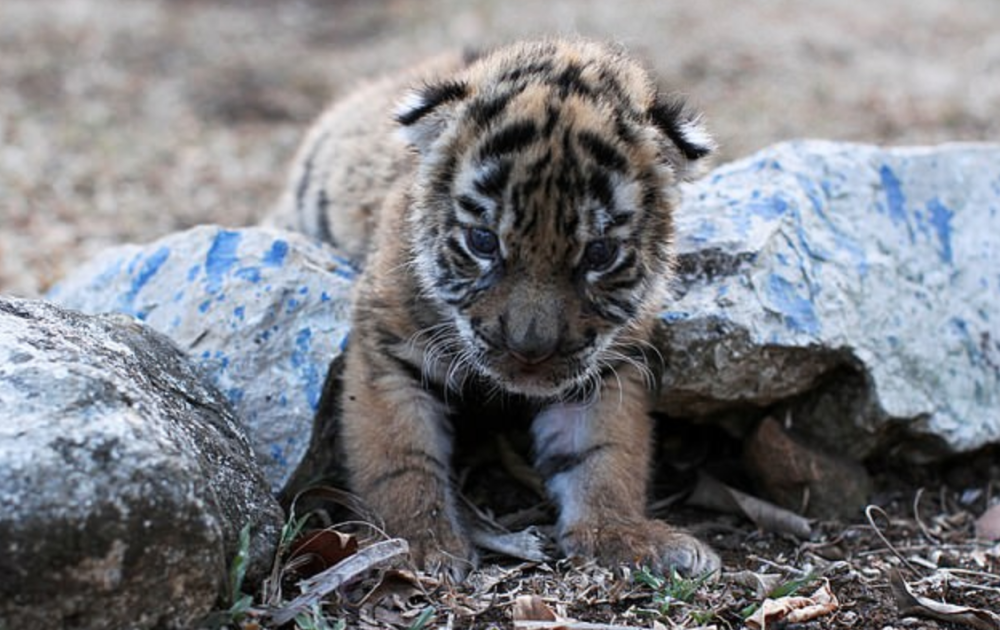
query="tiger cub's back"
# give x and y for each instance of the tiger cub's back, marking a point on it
(350, 160)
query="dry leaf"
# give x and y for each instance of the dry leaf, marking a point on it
(396, 583)
(396, 601)
(988, 525)
(714, 495)
(794, 609)
(910, 604)
(531, 613)
(532, 608)
(760, 583)
(319, 549)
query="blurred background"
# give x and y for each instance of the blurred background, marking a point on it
(124, 120)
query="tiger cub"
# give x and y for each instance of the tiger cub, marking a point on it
(513, 215)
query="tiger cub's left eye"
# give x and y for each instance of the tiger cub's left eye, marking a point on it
(600, 254)
(482, 242)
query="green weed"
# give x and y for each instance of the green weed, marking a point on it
(672, 590)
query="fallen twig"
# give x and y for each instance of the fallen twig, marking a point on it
(885, 541)
(920, 523)
(315, 588)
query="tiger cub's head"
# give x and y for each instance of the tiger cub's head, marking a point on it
(541, 211)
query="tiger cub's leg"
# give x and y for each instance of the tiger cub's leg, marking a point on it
(398, 444)
(596, 460)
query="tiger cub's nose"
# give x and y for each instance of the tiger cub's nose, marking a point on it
(530, 345)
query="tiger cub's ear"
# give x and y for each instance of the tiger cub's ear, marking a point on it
(424, 112)
(684, 128)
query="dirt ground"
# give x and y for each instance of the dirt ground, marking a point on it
(124, 120)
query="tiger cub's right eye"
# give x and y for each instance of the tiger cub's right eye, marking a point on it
(482, 242)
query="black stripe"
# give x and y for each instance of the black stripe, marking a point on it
(570, 218)
(441, 185)
(549, 466)
(460, 258)
(650, 193)
(495, 181)
(433, 96)
(324, 221)
(510, 139)
(307, 171)
(626, 307)
(623, 284)
(551, 118)
(484, 111)
(441, 262)
(470, 205)
(605, 154)
(667, 116)
(407, 368)
(626, 130)
(599, 187)
(627, 262)
(522, 210)
(541, 68)
(386, 337)
(610, 85)
(619, 219)
(570, 81)
(412, 469)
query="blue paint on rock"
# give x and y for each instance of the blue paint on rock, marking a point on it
(704, 232)
(674, 316)
(235, 395)
(796, 310)
(108, 275)
(278, 456)
(940, 220)
(250, 274)
(275, 257)
(344, 270)
(149, 268)
(894, 197)
(221, 257)
(306, 368)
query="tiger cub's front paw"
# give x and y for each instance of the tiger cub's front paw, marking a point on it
(642, 543)
(443, 552)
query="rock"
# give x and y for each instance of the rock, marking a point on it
(856, 285)
(852, 287)
(124, 479)
(261, 312)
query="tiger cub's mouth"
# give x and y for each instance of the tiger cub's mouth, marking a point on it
(551, 376)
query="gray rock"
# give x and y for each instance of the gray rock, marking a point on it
(124, 479)
(861, 285)
(261, 312)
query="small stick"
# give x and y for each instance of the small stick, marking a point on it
(885, 541)
(920, 523)
(324, 583)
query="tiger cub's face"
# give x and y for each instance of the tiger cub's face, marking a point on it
(541, 215)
